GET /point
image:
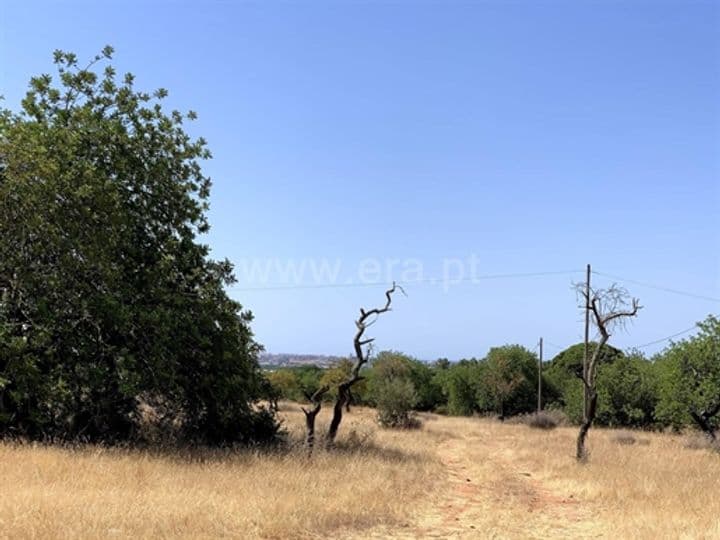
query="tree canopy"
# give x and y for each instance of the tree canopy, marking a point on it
(689, 386)
(107, 298)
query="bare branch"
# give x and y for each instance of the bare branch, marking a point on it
(609, 307)
(361, 357)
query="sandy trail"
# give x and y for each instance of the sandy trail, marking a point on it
(487, 493)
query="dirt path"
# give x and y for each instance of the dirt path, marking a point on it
(487, 494)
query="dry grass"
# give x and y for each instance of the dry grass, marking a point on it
(456, 477)
(99, 493)
(516, 482)
(700, 441)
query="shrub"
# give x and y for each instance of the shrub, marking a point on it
(629, 438)
(544, 419)
(625, 437)
(395, 399)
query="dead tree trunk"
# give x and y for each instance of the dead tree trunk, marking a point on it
(349, 401)
(588, 418)
(344, 395)
(340, 402)
(310, 415)
(606, 307)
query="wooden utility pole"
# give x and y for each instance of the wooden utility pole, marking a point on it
(587, 339)
(540, 367)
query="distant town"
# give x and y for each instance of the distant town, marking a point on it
(270, 361)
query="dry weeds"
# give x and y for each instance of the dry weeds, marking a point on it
(371, 478)
(454, 478)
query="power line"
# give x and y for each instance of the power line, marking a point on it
(486, 277)
(558, 347)
(665, 338)
(654, 342)
(470, 280)
(310, 286)
(659, 288)
(406, 282)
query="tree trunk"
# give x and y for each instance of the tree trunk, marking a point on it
(588, 417)
(310, 425)
(310, 415)
(703, 421)
(340, 402)
(349, 401)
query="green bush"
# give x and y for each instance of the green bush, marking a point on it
(392, 390)
(395, 399)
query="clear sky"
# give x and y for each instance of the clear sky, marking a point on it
(532, 136)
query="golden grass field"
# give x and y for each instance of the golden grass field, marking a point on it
(454, 478)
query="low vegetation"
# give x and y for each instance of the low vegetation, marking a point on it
(454, 477)
(542, 419)
(371, 477)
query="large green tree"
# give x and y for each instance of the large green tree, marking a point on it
(627, 392)
(564, 377)
(107, 296)
(689, 373)
(508, 384)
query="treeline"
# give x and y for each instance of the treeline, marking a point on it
(676, 388)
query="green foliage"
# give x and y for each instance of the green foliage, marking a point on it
(309, 377)
(286, 384)
(508, 384)
(632, 391)
(392, 388)
(388, 364)
(563, 376)
(689, 377)
(395, 399)
(626, 386)
(460, 384)
(338, 373)
(107, 297)
(429, 391)
(504, 382)
(294, 383)
(627, 392)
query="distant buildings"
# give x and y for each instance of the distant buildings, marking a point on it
(269, 361)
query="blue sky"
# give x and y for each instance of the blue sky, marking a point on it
(534, 136)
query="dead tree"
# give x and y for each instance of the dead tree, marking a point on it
(362, 354)
(609, 308)
(310, 415)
